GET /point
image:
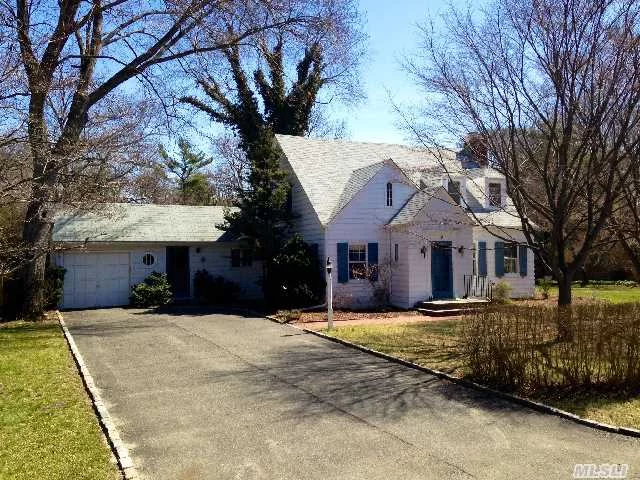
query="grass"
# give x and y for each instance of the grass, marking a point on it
(607, 293)
(48, 429)
(435, 344)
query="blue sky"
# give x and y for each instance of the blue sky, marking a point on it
(393, 33)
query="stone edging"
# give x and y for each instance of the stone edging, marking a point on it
(104, 419)
(540, 407)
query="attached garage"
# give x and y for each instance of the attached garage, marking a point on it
(95, 279)
(107, 252)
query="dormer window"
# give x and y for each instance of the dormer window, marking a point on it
(495, 195)
(454, 190)
(389, 194)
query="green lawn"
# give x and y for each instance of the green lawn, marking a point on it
(608, 293)
(434, 344)
(48, 429)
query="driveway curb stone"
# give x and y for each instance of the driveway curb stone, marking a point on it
(108, 428)
(540, 407)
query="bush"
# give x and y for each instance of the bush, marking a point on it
(296, 277)
(545, 285)
(54, 285)
(154, 291)
(524, 349)
(288, 316)
(209, 290)
(501, 292)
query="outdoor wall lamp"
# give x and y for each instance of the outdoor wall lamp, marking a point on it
(423, 251)
(461, 250)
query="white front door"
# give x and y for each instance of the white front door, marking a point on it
(96, 279)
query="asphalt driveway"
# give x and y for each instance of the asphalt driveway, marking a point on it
(216, 396)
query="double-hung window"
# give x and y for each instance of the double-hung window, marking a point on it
(357, 261)
(510, 258)
(241, 257)
(495, 195)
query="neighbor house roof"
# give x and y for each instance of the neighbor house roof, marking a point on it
(123, 222)
(330, 171)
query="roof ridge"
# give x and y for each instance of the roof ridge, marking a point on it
(362, 142)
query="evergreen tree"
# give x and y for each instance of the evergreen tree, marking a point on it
(263, 217)
(186, 167)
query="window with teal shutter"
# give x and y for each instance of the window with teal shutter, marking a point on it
(482, 259)
(523, 260)
(499, 251)
(343, 262)
(372, 260)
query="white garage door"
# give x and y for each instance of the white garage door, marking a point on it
(96, 279)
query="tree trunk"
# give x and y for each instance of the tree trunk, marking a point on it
(565, 317)
(36, 234)
(38, 223)
(585, 278)
(564, 290)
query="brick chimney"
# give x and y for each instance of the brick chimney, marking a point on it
(476, 147)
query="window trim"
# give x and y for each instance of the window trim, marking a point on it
(515, 260)
(491, 198)
(351, 262)
(152, 258)
(389, 197)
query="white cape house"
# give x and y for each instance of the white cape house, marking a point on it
(400, 225)
(404, 224)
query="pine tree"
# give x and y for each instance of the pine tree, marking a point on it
(263, 217)
(186, 167)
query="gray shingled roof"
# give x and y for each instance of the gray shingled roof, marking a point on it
(326, 168)
(331, 172)
(123, 222)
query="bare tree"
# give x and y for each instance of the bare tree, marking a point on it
(553, 89)
(72, 57)
(625, 223)
(281, 79)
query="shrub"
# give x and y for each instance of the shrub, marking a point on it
(523, 348)
(296, 279)
(154, 291)
(288, 316)
(54, 285)
(545, 284)
(501, 292)
(210, 290)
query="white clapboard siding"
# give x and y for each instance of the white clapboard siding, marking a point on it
(521, 287)
(363, 221)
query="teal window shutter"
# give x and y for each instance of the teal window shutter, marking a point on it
(523, 260)
(482, 259)
(372, 260)
(343, 262)
(499, 251)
